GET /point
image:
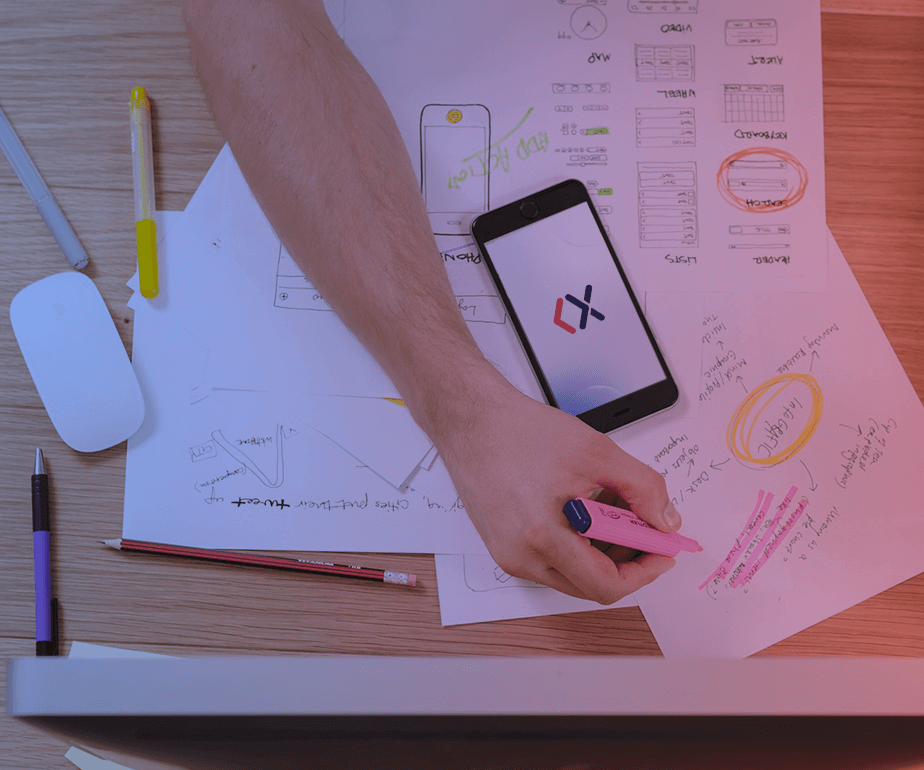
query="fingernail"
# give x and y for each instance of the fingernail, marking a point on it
(671, 517)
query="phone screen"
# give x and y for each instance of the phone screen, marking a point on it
(575, 310)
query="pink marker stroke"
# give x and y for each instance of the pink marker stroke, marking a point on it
(765, 540)
(757, 516)
(774, 543)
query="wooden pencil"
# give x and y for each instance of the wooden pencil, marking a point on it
(273, 562)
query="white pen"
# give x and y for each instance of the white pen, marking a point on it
(41, 196)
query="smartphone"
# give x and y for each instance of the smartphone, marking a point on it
(577, 317)
(455, 142)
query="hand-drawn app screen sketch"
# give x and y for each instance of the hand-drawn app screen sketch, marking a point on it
(559, 275)
(293, 289)
(454, 143)
(664, 6)
(751, 32)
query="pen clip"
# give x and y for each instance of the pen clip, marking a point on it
(54, 626)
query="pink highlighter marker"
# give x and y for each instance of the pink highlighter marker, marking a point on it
(622, 527)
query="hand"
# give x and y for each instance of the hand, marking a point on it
(518, 461)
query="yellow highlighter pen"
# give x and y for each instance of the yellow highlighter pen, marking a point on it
(143, 174)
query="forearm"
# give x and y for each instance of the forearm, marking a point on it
(325, 160)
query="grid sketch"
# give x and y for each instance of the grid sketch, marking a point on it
(754, 104)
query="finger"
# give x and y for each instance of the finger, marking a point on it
(540, 572)
(615, 553)
(644, 569)
(567, 562)
(554, 579)
(642, 487)
(596, 575)
(610, 497)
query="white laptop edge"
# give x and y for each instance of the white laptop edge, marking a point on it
(458, 686)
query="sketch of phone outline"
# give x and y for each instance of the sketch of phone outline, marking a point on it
(472, 165)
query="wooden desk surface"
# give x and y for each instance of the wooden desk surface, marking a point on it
(66, 70)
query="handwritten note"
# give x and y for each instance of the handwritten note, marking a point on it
(757, 542)
(803, 486)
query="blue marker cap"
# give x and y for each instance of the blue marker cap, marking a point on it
(577, 514)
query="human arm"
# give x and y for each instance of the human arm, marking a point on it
(325, 160)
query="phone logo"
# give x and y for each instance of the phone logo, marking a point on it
(584, 307)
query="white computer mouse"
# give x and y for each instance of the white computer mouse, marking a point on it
(77, 361)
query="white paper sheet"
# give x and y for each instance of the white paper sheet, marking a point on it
(473, 589)
(86, 761)
(343, 419)
(225, 312)
(203, 470)
(802, 398)
(200, 472)
(697, 126)
(270, 329)
(351, 422)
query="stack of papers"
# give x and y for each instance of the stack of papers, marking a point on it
(270, 427)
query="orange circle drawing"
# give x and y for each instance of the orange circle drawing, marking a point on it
(740, 433)
(758, 184)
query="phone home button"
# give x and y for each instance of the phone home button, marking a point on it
(529, 209)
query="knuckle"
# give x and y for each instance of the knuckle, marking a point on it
(650, 484)
(536, 536)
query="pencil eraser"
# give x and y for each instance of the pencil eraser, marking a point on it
(400, 578)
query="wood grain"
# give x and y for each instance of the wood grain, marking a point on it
(66, 70)
(874, 7)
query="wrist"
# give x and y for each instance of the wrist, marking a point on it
(451, 402)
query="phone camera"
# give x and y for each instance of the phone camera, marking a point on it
(529, 210)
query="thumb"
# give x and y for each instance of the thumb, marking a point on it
(642, 487)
